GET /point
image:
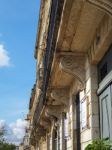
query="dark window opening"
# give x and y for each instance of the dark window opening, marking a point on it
(103, 71)
(78, 122)
(105, 65)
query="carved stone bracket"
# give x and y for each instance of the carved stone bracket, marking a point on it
(33, 141)
(54, 110)
(74, 65)
(55, 102)
(61, 95)
(43, 139)
(46, 123)
(40, 131)
(52, 101)
(104, 5)
(34, 138)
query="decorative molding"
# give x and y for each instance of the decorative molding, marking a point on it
(74, 65)
(61, 96)
(104, 5)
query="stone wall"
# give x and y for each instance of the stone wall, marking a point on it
(90, 94)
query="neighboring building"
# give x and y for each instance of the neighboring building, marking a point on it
(17, 147)
(26, 140)
(21, 147)
(71, 102)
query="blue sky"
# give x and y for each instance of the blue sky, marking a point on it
(18, 28)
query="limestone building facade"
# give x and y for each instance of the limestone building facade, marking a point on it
(71, 102)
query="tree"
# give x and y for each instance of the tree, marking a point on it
(3, 144)
(2, 133)
(7, 146)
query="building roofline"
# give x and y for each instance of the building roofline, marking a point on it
(38, 29)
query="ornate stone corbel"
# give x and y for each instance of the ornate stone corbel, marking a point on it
(51, 118)
(61, 96)
(40, 131)
(46, 123)
(55, 102)
(43, 139)
(52, 101)
(104, 5)
(74, 65)
(54, 110)
(33, 141)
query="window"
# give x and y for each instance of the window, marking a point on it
(105, 65)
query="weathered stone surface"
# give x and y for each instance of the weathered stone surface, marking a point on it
(61, 95)
(74, 65)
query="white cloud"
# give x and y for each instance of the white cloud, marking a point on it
(4, 57)
(18, 128)
(2, 123)
(15, 131)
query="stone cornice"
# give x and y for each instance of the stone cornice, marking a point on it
(42, 20)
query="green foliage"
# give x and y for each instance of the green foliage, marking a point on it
(4, 145)
(2, 133)
(104, 144)
(7, 146)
